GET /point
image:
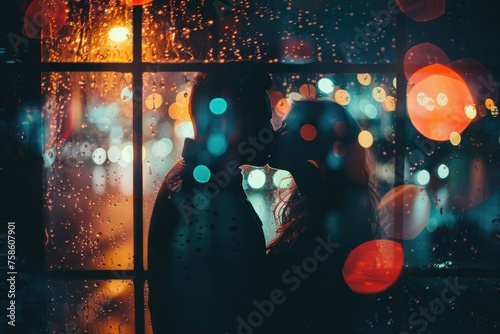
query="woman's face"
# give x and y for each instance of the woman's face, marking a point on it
(315, 143)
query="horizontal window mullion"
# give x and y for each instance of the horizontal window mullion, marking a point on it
(200, 67)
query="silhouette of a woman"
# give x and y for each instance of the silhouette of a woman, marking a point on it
(334, 200)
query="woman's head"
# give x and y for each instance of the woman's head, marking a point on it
(318, 144)
(333, 173)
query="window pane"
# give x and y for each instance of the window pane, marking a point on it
(90, 306)
(450, 305)
(370, 98)
(453, 156)
(464, 41)
(166, 123)
(94, 31)
(462, 230)
(87, 157)
(277, 31)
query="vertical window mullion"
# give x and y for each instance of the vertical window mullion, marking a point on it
(400, 136)
(137, 171)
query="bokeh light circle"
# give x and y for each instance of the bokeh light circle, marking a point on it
(218, 106)
(389, 103)
(118, 34)
(256, 179)
(126, 94)
(432, 225)
(422, 55)
(443, 171)
(371, 111)
(470, 111)
(325, 85)
(339, 149)
(201, 174)
(442, 99)
(489, 103)
(364, 78)
(422, 11)
(432, 120)
(47, 15)
(162, 147)
(365, 139)
(379, 94)
(362, 104)
(423, 177)
(153, 101)
(127, 154)
(275, 96)
(404, 211)
(99, 156)
(308, 91)
(114, 153)
(373, 266)
(184, 129)
(182, 98)
(294, 96)
(308, 132)
(179, 112)
(49, 156)
(455, 138)
(282, 107)
(217, 144)
(342, 97)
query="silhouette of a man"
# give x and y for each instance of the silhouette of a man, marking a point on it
(205, 241)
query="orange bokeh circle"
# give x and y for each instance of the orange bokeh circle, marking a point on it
(49, 16)
(373, 266)
(437, 97)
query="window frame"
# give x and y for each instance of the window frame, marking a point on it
(137, 67)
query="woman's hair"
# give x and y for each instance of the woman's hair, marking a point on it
(345, 188)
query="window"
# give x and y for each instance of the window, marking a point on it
(116, 80)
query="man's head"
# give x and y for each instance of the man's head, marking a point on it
(231, 102)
